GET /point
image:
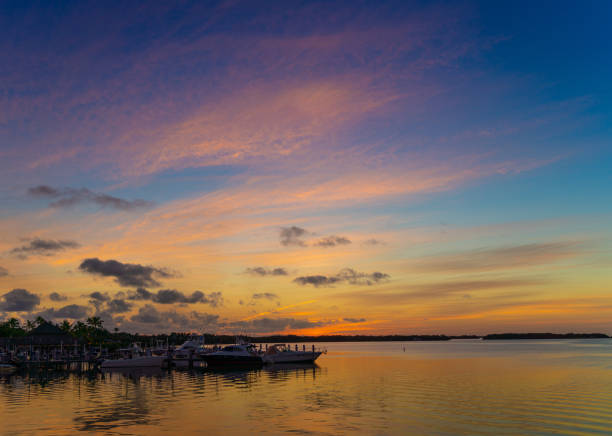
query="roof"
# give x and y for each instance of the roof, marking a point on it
(46, 329)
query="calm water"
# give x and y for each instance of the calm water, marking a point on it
(448, 388)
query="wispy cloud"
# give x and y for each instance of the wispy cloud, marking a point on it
(42, 247)
(508, 257)
(265, 295)
(172, 296)
(271, 325)
(262, 272)
(438, 290)
(346, 275)
(354, 320)
(373, 241)
(56, 296)
(296, 236)
(69, 197)
(332, 241)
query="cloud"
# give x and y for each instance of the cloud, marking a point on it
(373, 242)
(269, 325)
(171, 320)
(99, 296)
(354, 320)
(292, 236)
(332, 241)
(118, 305)
(316, 280)
(265, 295)
(347, 275)
(500, 258)
(68, 197)
(439, 290)
(72, 311)
(295, 236)
(126, 274)
(358, 278)
(42, 247)
(172, 296)
(19, 300)
(261, 271)
(3, 272)
(140, 294)
(54, 296)
(147, 314)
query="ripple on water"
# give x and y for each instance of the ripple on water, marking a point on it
(355, 391)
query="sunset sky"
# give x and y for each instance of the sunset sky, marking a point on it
(307, 167)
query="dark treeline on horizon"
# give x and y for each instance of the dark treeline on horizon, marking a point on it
(92, 331)
(501, 336)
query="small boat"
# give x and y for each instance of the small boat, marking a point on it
(234, 355)
(282, 353)
(135, 357)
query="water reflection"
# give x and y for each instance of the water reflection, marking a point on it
(565, 388)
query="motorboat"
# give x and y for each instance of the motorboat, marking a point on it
(282, 353)
(234, 355)
(188, 353)
(135, 357)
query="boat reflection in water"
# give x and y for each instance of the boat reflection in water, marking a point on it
(135, 372)
(135, 357)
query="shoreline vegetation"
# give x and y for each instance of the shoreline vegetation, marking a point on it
(92, 331)
(507, 336)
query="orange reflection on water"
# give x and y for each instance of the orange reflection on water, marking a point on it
(453, 388)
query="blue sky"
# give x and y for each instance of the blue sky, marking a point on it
(190, 137)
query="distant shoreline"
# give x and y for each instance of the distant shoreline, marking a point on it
(509, 336)
(429, 338)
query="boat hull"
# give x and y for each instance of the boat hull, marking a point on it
(217, 361)
(292, 357)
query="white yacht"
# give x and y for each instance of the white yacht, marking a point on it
(282, 353)
(188, 351)
(234, 355)
(135, 357)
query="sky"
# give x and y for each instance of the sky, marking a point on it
(358, 167)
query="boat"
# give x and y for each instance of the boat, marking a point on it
(234, 355)
(282, 353)
(135, 357)
(188, 353)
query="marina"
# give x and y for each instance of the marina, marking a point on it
(48, 347)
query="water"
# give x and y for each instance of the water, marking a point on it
(442, 388)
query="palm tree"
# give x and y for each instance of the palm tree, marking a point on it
(79, 329)
(95, 322)
(29, 325)
(65, 326)
(13, 323)
(39, 320)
